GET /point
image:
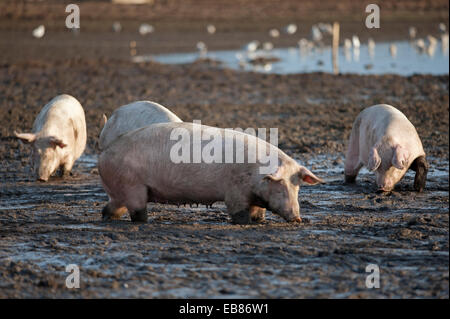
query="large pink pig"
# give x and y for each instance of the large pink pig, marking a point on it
(385, 141)
(58, 136)
(143, 166)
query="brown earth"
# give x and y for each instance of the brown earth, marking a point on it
(195, 252)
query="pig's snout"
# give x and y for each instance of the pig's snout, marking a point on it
(297, 220)
(385, 187)
(42, 177)
(385, 184)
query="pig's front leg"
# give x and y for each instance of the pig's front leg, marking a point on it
(241, 217)
(245, 216)
(67, 167)
(352, 160)
(257, 214)
(238, 207)
(420, 166)
(352, 170)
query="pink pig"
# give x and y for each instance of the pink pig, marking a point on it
(139, 167)
(385, 141)
(58, 137)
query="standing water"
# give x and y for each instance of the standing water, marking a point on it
(400, 57)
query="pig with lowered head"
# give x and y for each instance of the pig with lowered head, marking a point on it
(139, 167)
(133, 116)
(58, 137)
(387, 143)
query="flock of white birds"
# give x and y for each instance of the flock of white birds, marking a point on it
(319, 32)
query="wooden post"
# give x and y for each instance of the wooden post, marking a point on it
(335, 52)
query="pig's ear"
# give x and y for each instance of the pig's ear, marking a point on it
(26, 137)
(308, 177)
(374, 160)
(103, 120)
(56, 142)
(271, 178)
(276, 176)
(400, 157)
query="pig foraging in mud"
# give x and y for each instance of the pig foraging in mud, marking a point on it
(58, 137)
(386, 142)
(133, 116)
(141, 166)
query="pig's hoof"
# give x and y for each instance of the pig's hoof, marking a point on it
(258, 215)
(107, 214)
(107, 218)
(258, 219)
(419, 189)
(350, 179)
(241, 218)
(139, 216)
(64, 174)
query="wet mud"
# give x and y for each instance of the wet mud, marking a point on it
(195, 252)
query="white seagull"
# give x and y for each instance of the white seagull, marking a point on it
(39, 32)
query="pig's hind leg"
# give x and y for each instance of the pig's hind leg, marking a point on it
(65, 169)
(136, 202)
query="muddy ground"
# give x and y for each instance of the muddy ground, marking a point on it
(185, 252)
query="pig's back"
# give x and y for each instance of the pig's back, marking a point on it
(385, 122)
(134, 116)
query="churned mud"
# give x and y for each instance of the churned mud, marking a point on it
(187, 252)
(195, 252)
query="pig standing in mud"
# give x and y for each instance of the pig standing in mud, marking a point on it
(142, 166)
(133, 116)
(386, 142)
(58, 137)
